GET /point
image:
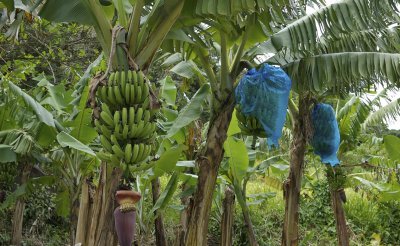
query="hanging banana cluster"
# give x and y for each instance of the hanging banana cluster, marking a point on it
(127, 124)
(249, 125)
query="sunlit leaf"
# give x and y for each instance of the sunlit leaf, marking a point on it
(66, 140)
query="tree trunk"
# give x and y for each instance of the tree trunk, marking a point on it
(102, 220)
(292, 186)
(180, 234)
(193, 140)
(158, 223)
(228, 206)
(241, 195)
(208, 162)
(18, 216)
(340, 218)
(74, 214)
(249, 227)
(84, 215)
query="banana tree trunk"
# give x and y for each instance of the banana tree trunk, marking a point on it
(161, 240)
(18, 216)
(83, 216)
(241, 195)
(249, 227)
(208, 162)
(228, 206)
(180, 234)
(292, 186)
(340, 218)
(102, 230)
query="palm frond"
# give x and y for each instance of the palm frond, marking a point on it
(347, 107)
(277, 9)
(388, 112)
(332, 22)
(383, 40)
(350, 123)
(344, 71)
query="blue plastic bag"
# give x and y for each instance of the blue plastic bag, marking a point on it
(264, 94)
(326, 136)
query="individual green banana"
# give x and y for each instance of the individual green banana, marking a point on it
(145, 133)
(111, 79)
(105, 131)
(125, 132)
(124, 116)
(141, 152)
(118, 95)
(114, 139)
(133, 94)
(117, 78)
(105, 143)
(140, 78)
(105, 108)
(118, 151)
(135, 153)
(138, 95)
(98, 126)
(147, 151)
(123, 81)
(131, 116)
(104, 95)
(145, 91)
(140, 127)
(134, 77)
(139, 115)
(127, 94)
(111, 96)
(117, 117)
(146, 103)
(117, 132)
(107, 118)
(133, 132)
(128, 153)
(129, 77)
(135, 89)
(146, 116)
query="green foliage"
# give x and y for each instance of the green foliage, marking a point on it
(363, 214)
(7, 154)
(191, 111)
(236, 152)
(66, 140)
(315, 209)
(392, 145)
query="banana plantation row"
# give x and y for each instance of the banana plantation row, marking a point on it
(123, 109)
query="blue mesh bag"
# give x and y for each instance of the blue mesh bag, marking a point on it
(264, 94)
(326, 137)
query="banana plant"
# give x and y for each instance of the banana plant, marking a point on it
(71, 160)
(217, 46)
(25, 144)
(315, 52)
(142, 40)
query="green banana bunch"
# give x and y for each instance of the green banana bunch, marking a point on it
(127, 125)
(249, 125)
